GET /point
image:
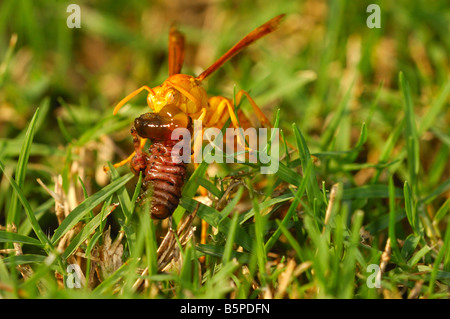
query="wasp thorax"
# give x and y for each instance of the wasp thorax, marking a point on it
(159, 126)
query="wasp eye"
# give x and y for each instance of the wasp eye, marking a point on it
(150, 101)
(172, 97)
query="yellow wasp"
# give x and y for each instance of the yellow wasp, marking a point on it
(176, 103)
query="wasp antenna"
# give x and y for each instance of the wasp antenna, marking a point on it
(130, 96)
(256, 34)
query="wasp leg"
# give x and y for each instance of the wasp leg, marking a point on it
(138, 162)
(261, 117)
(259, 114)
(139, 144)
(130, 96)
(218, 105)
(121, 163)
(198, 138)
(197, 146)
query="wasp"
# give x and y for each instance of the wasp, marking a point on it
(175, 104)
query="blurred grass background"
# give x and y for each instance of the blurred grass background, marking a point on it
(324, 69)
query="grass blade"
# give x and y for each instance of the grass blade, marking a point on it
(14, 261)
(387, 150)
(288, 175)
(370, 191)
(418, 256)
(230, 239)
(298, 195)
(392, 221)
(213, 218)
(312, 188)
(445, 250)
(292, 241)
(412, 138)
(14, 208)
(29, 211)
(122, 195)
(411, 211)
(84, 234)
(330, 131)
(81, 210)
(349, 262)
(428, 119)
(264, 205)
(9, 237)
(189, 190)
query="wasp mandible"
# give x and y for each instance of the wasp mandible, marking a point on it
(175, 104)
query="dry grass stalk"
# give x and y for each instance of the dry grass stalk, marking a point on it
(25, 270)
(168, 253)
(105, 258)
(110, 253)
(385, 257)
(415, 292)
(285, 278)
(329, 210)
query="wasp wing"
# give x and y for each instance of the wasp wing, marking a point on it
(256, 34)
(176, 50)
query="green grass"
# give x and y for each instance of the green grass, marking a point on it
(366, 109)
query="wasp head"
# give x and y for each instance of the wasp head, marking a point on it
(180, 90)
